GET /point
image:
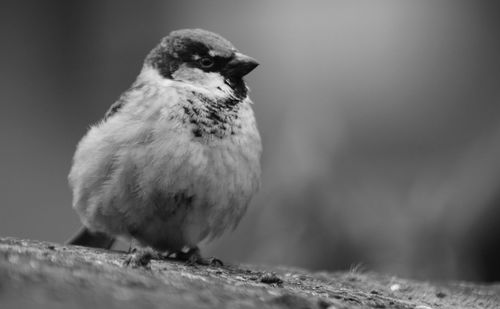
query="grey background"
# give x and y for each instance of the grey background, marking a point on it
(379, 121)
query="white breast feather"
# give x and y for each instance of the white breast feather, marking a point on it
(146, 148)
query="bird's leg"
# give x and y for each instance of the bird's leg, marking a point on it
(193, 257)
(139, 256)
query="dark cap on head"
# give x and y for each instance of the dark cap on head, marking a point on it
(183, 40)
(189, 45)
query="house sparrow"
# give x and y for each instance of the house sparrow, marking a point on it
(176, 159)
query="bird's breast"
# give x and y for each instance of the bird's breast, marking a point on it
(219, 171)
(145, 171)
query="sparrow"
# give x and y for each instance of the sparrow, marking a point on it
(176, 159)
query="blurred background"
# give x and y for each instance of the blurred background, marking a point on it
(380, 123)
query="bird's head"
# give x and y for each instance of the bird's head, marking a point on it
(201, 58)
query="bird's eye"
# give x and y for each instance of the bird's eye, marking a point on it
(206, 62)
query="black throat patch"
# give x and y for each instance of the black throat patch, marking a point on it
(211, 118)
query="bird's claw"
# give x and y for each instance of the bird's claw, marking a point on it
(141, 257)
(193, 257)
(138, 258)
(211, 261)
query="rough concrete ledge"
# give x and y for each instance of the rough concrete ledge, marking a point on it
(36, 274)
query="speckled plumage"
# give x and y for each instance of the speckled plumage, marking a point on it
(176, 159)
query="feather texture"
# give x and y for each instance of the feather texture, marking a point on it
(171, 166)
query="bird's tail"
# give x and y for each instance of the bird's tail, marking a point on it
(87, 238)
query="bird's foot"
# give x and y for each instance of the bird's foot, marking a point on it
(193, 257)
(141, 257)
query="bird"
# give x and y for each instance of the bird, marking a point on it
(176, 159)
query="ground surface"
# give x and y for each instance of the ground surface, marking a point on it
(46, 275)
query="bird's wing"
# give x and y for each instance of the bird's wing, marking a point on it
(115, 107)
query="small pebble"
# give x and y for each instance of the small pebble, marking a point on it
(440, 294)
(270, 278)
(395, 287)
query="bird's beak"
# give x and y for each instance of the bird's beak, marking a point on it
(240, 65)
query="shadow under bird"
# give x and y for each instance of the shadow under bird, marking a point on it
(176, 159)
